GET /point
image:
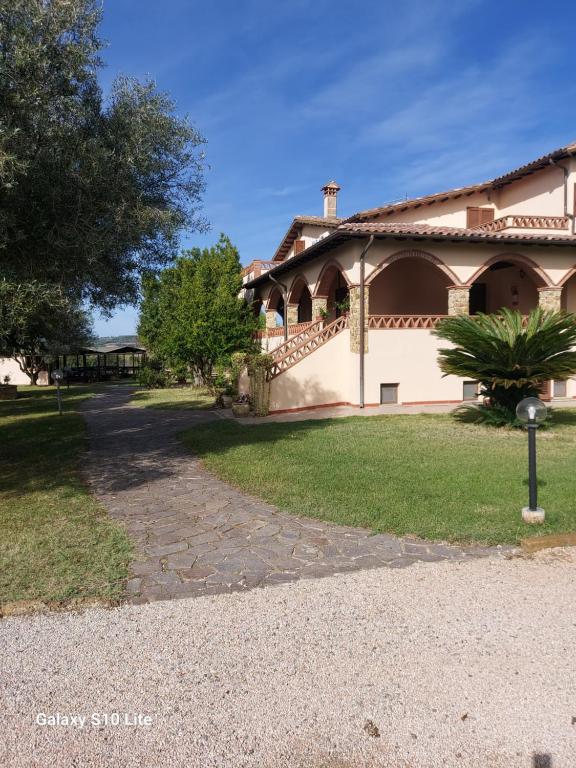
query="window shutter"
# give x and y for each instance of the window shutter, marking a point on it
(477, 216)
(299, 246)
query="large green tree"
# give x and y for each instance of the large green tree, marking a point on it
(191, 315)
(93, 191)
(38, 321)
(509, 357)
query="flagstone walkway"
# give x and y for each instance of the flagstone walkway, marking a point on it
(196, 535)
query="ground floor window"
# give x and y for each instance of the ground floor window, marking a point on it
(470, 390)
(388, 394)
(559, 389)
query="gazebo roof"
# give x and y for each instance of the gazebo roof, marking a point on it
(113, 349)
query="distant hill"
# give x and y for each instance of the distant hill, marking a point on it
(119, 340)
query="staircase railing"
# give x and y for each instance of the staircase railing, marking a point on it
(292, 356)
(297, 339)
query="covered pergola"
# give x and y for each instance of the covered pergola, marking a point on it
(109, 361)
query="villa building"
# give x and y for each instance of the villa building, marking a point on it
(351, 303)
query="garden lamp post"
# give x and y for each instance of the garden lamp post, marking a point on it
(57, 376)
(532, 411)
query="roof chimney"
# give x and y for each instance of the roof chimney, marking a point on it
(330, 198)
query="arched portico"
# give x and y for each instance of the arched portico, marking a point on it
(410, 283)
(508, 281)
(299, 301)
(274, 309)
(413, 254)
(332, 291)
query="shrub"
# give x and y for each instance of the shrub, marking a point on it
(151, 377)
(510, 358)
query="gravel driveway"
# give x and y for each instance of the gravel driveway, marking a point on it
(441, 664)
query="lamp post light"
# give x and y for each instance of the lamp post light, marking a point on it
(57, 376)
(532, 411)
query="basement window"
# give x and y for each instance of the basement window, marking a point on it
(388, 394)
(470, 390)
(559, 389)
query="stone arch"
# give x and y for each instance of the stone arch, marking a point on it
(413, 254)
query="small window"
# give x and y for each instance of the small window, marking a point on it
(470, 390)
(559, 389)
(475, 217)
(299, 246)
(388, 394)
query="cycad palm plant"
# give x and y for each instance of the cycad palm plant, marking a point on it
(510, 358)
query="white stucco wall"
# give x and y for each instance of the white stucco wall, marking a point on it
(407, 358)
(541, 194)
(322, 378)
(450, 213)
(10, 368)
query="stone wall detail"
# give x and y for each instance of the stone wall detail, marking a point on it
(550, 299)
(319, 303)
(292, 314)
(458, 300)
(354, 318)
(270, 318)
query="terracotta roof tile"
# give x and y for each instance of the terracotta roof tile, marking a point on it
(290, 236)
(457, 232)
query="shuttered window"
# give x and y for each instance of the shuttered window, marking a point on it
(299, 246)
(477, 216)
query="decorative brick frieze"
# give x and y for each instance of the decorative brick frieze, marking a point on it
(354, 318)
(550, 298)
(458, 300)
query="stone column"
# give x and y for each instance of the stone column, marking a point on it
(292, 314)
(270, 318)
(458, 300)
(354, 318)
(318, 303)
(550, 299)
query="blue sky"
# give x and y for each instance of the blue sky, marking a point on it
(388, 99)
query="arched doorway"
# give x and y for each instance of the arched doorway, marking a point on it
(505, 282)
(411, 285)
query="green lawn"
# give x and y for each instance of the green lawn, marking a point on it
(56, 541)
(174, 398)
(425, 475)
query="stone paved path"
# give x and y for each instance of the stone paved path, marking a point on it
(196, 535)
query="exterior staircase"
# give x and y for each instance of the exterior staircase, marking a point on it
(306, 342)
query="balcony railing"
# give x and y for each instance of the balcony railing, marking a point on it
(293, 330)
(257, 268)
(524, 222)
